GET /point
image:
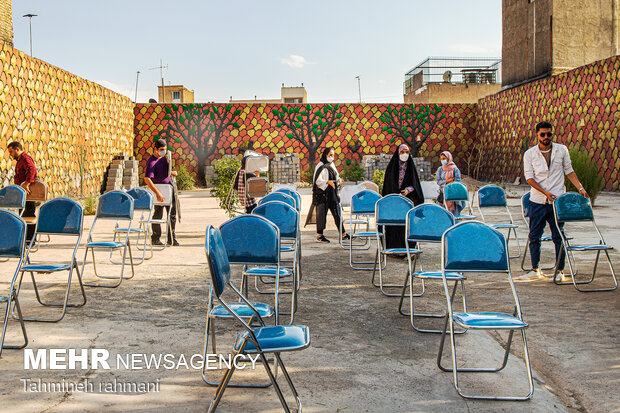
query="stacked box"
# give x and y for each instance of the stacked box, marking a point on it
(123, 173)
(424, 169)
(286, 168)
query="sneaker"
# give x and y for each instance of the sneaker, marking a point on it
(322, 239)
(534, 274)
(157, 242)
(560, 278)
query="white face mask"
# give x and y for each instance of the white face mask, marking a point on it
(162, 153)
(403, 157)
(330, 159)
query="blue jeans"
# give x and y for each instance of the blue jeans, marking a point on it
(541, 214)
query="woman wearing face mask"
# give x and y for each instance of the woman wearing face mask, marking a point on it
(401, 177)
(446, 174)
(325, 193)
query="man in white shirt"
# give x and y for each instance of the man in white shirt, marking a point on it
(544, 166)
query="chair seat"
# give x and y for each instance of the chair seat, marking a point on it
(267, 271)
(392, 251)
(287, 248)
(465, 217)
(436, 275)
(242, 310)
(355, 221)
(3, 299)
(276, 338)
(504, 226)
(130, 230)
(546, 238)
(491, 321)
(46, 267)
(367, 234)
(595, 247)
(114, 244)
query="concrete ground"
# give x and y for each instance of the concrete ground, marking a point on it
(364, 356)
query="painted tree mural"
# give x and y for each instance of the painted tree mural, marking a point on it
(201, 126)
(412, 124)
(309, 126)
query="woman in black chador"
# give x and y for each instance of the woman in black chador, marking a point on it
(401, 177)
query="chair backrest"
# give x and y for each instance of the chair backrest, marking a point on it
(12, 196)
(166, 191)
(60, 216)
(115, 205)
(428, 222)
(370, 185)
(525, 205)
(251, 239)
(13, 230)
(392, 210)
(294, 194)
(346, 193)
(279, 196)
(142, 199)
(364, 202)
(491, 196)
(572, 207)
(218, 259)
(283, 215)
(455, 191)
(430, 189)
(475, 247)
(38, 191)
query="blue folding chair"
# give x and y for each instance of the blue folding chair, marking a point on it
(142, 203)
(492, 197)
(253, 242)
(426, 223)
(346, 193)
(455, 192)
(525, 213)
(293, 194)
(13, 197)
(575, 208)
(63, 217)
(363, 207)
(12, 245)
(264, 339)
(390, 211)
(279, 196)
(475, 248)
(286, 218)
(117, 206)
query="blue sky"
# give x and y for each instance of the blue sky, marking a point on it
(245, 48)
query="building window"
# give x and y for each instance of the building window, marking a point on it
(176, 96)
(293, 100)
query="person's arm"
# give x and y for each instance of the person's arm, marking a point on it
(439, 178)
(457, 175)
(323, 179)
(571, 175)
(575, 180)
(152, 187)
(550, 197)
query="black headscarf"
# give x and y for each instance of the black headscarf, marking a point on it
(390, 184)
(326, 152)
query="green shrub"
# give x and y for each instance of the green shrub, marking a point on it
(378, 177)
(586, 171)
(185, 181)
(354, 173)
(90, 204)
(308, 176)
(225, 170)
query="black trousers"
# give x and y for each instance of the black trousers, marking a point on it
(321, 216)
(158, 212)
(29, 211)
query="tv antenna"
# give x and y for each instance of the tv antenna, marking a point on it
(161, 68)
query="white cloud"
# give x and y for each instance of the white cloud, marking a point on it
(295, 61)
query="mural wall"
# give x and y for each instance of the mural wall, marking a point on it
(582, 104)
(257, 126)
(70, 126)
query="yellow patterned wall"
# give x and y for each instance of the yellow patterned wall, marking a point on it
(64, 122)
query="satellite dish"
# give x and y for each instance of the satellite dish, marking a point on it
(447, 76)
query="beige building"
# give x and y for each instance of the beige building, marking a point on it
(175, 94)
(544, 37)
(452, 80)
(6, 22)
(295, 94)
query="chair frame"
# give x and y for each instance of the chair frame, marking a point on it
(250, 337)
(143, 228)
(466, 200)
(168, 203)
(126, 245)
(352, 222)
(568, 250)
(359, 265)
(451, 321)
(73, 265)
(12, 297)
(511, 226)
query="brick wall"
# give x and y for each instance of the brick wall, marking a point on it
(6, 22)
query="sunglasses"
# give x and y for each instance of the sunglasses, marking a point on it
(547, 134)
